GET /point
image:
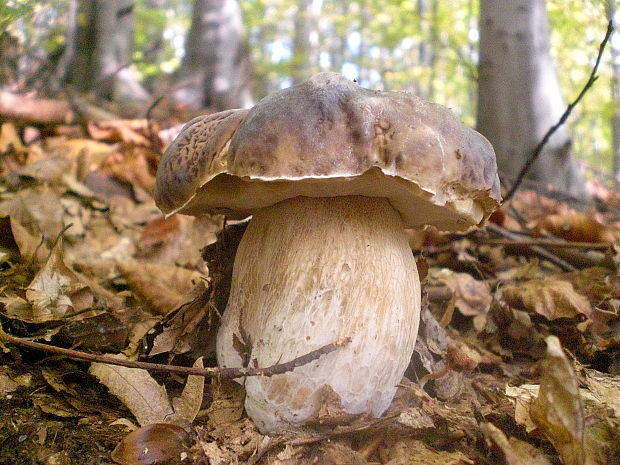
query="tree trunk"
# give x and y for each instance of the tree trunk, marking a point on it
(103, 50)
(216, 67)
(615, 94)
(301, 66)
(519, 95)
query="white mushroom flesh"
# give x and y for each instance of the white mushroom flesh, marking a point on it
(308, 272)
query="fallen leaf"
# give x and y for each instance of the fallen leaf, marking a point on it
(513, 450)
(472, 297)
(403, 452)
(147, 400)
(558, 409)
(522, 397)
(48, 169)
(187, 405)
(38, 209)
(227, 404)
(161, 286)
(605, 388)
(51, 290)
(549, 297)
(159, 230)
(574, 226)
(28, 245)
(128, 131)
(9, 139)
(137, 389)
(7, 385)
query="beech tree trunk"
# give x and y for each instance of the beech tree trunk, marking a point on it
(216, 67)
(519, 95)
(615, 94)
(301, 65)
(103, 50)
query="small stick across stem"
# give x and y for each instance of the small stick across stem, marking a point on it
(212, 372)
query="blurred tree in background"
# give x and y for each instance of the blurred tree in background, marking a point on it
(219, 54)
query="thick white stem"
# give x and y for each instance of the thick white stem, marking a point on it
(308, 272)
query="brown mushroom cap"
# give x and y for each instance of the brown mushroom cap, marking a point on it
(330, 137)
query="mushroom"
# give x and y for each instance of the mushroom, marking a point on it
(331, 173)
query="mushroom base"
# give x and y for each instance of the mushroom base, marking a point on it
(308, 272)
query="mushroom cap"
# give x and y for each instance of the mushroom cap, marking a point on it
(330, 137)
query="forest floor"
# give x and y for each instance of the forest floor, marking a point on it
(517, 359)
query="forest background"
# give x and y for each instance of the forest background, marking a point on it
(92, 92)
(134, 52)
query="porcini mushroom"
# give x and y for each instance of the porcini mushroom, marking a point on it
(332, 174)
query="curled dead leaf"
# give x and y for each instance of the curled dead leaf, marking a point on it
(472, 297)
(147, 400)
(513, 450)
(550, 297)
(574, 226)
(558, 409)
(161, 286)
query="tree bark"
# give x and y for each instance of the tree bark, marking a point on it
(216, 67)
(301, 65)
(615, 94)
(519, 95)
(103, 50)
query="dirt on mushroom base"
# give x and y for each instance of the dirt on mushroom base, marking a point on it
(448, 422)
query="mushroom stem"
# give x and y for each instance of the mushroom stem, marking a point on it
(310, 271)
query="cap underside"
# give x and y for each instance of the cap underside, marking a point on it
(239, 197)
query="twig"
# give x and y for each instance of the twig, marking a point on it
(557, 261)
(153, 139)
(212, 372)
(549, 243)
(537, 151)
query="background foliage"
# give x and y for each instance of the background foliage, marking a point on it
(426, 46)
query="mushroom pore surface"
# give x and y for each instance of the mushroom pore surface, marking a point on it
(308, 272)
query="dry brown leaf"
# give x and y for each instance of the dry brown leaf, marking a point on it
(91, 152)
(38, 209)
(227, 404)
(17, 242)
(132, 166)
(159, 230)
(48, 169)
(472, 297)
(50, 293)
(403, 451)
(514, 451)
(187, 405)
(151, 444)
(9, 139)
(558, 409)
(522, 397)
(574, 226)
(28, 245)
(161, 286)
(605, 388)
(550, 297)
(147, 400)
(190, 327)
(128, 131)
(137, 389)
(7, 385)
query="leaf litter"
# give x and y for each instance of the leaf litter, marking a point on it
(517, 359)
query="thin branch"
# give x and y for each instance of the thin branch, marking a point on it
(557, 261)
(153, 139)
(211, 372)
(537, 151)
(550, 243)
